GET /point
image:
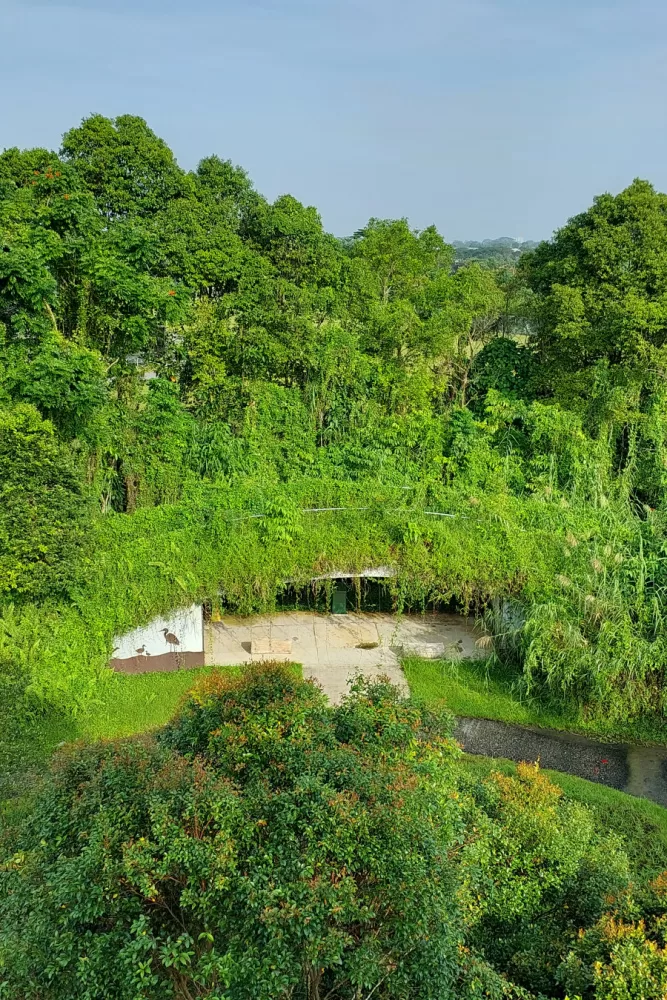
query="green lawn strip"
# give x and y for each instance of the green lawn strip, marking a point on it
(134, 703)
(474, 688)
(128, 704)
(641, 823)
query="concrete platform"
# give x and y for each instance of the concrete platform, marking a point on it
(333, 648)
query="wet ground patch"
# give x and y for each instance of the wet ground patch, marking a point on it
(636, 770)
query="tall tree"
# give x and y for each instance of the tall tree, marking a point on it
(601, 307)
(601, 317)
(126, 166)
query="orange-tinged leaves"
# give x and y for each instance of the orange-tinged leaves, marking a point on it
(659, 885)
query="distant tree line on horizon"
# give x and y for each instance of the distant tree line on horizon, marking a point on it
(501, 251)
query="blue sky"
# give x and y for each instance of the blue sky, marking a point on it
(485, 117)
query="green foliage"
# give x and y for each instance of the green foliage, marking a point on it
(226, 185)
(292, 238)
(264, 845)
(205, 395)
(618, 960)
(600, 314)
(124, 164)
(42, 508)
(602, 281)
(488, 688)
(536, 872)
(505, 366)
(66, 382)
(198, 349)
(244, 542)
(410, 304)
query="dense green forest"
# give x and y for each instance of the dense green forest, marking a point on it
(189, 373)
(204, 395)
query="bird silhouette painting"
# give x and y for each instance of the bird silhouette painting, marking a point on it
(173, 642)
(170, 638)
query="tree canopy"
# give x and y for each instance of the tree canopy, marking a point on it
(179, 335)
(265, 845)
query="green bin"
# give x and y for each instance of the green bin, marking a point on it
(339, 600)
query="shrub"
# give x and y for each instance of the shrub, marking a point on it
(264, 845)
(618, 960)
(535, 871)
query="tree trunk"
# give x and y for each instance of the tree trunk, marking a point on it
(313, 981)
(130, 494)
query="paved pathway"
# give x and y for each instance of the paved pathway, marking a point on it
(332, 648)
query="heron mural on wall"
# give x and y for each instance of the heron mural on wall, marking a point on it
(172, 643)
(170, 638)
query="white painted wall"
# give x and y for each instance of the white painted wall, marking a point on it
(186, 623)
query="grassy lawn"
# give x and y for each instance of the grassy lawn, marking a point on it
(135, 703)
(472, 688)
(128, 704)
(641, 823)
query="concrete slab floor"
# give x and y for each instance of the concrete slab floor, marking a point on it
(331, 647)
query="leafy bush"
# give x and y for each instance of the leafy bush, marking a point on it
(43, 509)
(263, 845)
(535, 873)
(618, 960)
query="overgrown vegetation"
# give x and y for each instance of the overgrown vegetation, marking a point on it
(189, 374)
(204, 395)
(266, 845)
(486, 688)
